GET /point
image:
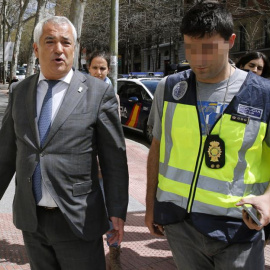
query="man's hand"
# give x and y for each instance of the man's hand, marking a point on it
(262, 205)
(118, 230)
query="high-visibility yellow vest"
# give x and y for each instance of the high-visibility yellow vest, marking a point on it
(185, 182)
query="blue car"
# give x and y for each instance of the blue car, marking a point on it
(136, 96)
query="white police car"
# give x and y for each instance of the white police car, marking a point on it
(136, 96)
(20, 73)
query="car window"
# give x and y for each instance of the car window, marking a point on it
(134, 91)
(21, 71)
(146, 96)
(129, 90)
(151, 85)
(122, 90)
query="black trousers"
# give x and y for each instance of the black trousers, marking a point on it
(55, 247)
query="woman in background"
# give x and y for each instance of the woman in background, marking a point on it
(98, 64)
(256, 62)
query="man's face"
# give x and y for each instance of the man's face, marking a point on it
(55, 50)
(208, 56)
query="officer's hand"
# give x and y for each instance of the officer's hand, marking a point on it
(262, 205)
(155, 229)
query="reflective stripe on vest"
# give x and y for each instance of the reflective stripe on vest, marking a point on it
(214, 191)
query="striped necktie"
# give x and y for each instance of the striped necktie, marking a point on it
(44, 124)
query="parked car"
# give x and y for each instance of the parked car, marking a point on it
(20, 73)
(136, 96)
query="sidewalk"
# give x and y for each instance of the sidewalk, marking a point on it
(3, 87)
(140, 251)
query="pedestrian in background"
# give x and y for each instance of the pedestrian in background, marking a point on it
(256, 62)
(98, 63)
(210, 152)
(56, 124)
(14, 79)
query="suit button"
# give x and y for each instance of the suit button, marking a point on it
(29, 179)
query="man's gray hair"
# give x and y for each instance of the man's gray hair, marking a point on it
(56, 20)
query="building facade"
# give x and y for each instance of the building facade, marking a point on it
(251, 25)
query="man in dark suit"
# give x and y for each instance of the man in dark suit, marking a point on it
(58, 202)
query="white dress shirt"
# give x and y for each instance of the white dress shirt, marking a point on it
(58, 93)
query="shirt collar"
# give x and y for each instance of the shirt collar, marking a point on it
(66, 79)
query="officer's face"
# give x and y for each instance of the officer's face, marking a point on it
(208, 56)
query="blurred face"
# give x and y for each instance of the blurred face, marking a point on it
(55, 50)
(99, 68)
(255, 65)
(208, 57)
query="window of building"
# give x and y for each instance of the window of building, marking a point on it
(148, 62)
(175, 10)
(242, 39)
(159, 61)
(243, 3)
(266, 34)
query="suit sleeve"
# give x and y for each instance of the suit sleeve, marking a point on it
(112, 155)
(7, 148)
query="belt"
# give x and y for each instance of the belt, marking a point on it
(47, 208)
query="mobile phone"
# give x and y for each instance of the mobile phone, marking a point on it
(252, 212)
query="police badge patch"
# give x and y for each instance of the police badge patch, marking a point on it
(179, 90)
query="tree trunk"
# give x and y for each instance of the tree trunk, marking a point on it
(132, 56)
(18, 38)
(157, 55)
(3, 41)
(76, 17)
(31, 55)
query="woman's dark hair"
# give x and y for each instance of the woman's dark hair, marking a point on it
(95, 54)
(207, 18)
(251, 56)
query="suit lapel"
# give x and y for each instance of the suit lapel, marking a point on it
(31, 107)
(73, 96)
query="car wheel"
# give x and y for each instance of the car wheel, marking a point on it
(148, 132)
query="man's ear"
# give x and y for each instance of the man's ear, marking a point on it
(231, 40)
(35, 46)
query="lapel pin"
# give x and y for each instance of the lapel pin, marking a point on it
(80, 89)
